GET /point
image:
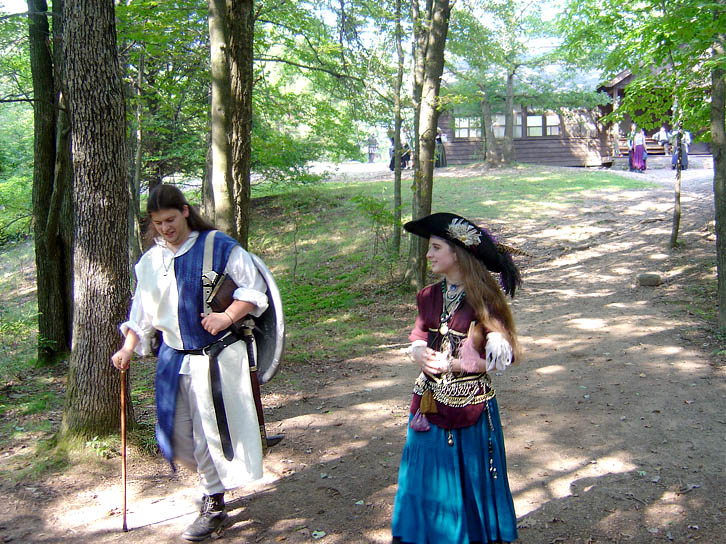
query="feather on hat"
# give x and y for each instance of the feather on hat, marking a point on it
(474, 239)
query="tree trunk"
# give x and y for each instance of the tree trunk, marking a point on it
(396, 249)
(428, 121)
(207, 207)
(63, 170)
(508, 148)
(492, 154)
(221, 174)
(135, 237)
(718, 147)
(100, 249)
(241, 16)
(50, 257)
(419, 45)
(677, 188)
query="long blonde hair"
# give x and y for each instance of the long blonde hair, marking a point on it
(486, 297)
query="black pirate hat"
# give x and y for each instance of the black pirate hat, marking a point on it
(472, 238)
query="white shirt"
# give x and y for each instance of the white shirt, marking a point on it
(156, 300)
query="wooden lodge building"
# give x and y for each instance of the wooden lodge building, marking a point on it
(572, 139)
(567, 138)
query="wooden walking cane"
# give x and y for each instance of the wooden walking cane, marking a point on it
(123, 442)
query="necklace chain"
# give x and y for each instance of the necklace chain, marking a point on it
(452, 300)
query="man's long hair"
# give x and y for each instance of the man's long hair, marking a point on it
(486, 297)
(169, 197)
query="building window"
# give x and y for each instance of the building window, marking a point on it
(498, 122)
(498, 125)
(467, 127)
(553, 124)
(534, 125)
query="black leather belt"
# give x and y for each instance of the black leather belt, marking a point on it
(212, 351)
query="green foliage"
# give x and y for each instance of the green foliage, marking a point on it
(487, 43)
(16, 174)
(383, 221)
(670, 59)
(102, 447)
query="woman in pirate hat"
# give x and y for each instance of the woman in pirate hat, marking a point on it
(452, 483)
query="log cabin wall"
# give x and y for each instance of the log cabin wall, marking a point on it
(587, 149)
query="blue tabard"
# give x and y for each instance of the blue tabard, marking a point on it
(188, 272)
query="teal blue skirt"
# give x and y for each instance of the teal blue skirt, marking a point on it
(454, 494)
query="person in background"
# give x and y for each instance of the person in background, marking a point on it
(663, 137)
(639, 153)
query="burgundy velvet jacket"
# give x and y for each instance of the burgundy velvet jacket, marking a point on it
(430, 302)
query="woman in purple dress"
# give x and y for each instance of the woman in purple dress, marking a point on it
(452, 483)
(639, 153)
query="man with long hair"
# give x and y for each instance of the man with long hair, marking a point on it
(200, 360)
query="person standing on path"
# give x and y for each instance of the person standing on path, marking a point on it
(452, 482)
(199, 356)
(640, 154)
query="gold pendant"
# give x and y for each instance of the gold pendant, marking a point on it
(444, 328)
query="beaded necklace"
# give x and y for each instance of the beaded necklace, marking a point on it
(452, 300)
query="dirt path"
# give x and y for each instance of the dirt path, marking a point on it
(614, 422)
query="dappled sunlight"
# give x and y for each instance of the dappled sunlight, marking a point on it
(551, 369)
(628, 305)
(571, 232)
(589, 324)
(562, 486)
(658, 256)
(687, 366)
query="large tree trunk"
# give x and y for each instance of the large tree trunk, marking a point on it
(492, 154)
(428, 121)
(50, 256)
(241, 25)
(718, 146)
(100, 249)
(508, 148)
(396, 249)
(221, 174)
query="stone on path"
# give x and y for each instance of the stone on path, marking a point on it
(649, 279)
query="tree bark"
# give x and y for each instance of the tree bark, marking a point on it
(492, 153)
(508, 147)
(398, 83)
(135, 180)
(100, 249)
(718, 147)
(50, 252)
(677, 188)
(428, 121)
(419, 45)
(221, 175)
(63, 169)
(241, 36)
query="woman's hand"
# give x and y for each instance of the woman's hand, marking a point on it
(431, 362)
(216, 322)
(122, 358)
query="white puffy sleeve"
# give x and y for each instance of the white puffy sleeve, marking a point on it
(251, 286)
(139, 322)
